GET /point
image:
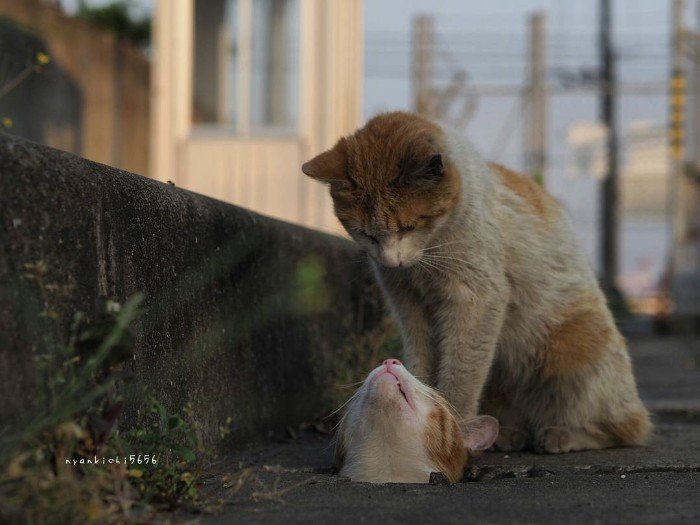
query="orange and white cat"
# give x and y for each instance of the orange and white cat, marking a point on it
(497, 305)
(396, 429)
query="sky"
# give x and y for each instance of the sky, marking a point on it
(487, 39)
(139, 6)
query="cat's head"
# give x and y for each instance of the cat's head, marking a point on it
(397, 429)
(392, 185)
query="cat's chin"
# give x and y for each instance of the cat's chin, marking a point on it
(401, 265)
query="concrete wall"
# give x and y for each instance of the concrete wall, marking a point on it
(246, 317)
(109, 80)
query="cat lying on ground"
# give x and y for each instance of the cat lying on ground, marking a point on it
(396, 429)
(497, 305)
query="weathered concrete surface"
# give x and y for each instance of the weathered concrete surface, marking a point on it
(638, 498)
(291, 483)
(245, 317)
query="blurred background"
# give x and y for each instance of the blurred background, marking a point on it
(599, 101)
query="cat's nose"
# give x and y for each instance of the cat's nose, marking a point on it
(389, 362)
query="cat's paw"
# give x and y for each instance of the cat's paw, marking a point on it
(553, 440)
(510, 440)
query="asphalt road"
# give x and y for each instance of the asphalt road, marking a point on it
(289, 481)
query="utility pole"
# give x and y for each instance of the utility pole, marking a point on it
(535, 103)
(676, 131)
(609, 190)
(692, 230)
(423, 63)
(677, 92)
(685, 178)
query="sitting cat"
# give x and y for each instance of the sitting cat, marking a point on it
(396, 429)
(497, 305)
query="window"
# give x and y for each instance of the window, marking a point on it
(246, 65)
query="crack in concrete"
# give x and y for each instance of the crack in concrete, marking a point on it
(487, 473)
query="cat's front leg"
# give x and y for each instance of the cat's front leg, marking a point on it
(418, 343)
(469, 327)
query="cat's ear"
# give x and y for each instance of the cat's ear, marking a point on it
(420, 172)
(329, 166)
(480, 433)
(435, 169)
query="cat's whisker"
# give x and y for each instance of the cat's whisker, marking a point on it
(447, 258)
(452, 265)
(439, 264)
(444, 256)
(433, 265)
(340, 422)
(443, 244)
(424, 267)
(433, 259)
(428, 265)
(349, 385)
(436, 397)
(341, 407)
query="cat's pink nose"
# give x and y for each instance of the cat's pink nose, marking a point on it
(389, 362)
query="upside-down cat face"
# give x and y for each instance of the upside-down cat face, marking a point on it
(396, 429)
(392, 185)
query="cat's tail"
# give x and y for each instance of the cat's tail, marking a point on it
(635, 428)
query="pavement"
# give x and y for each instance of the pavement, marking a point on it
(290, 480)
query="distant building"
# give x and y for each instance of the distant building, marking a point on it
(643, 185)
(645, 173)
(91, 98)
(245, 90)
(586, 150)
(644, 167)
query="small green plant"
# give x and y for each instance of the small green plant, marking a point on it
(117, 17)
(74, 381)
(35, 65)
(69, 463)
(42, 478)
(168, 476)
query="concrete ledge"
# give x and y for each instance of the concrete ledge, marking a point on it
(246, 317)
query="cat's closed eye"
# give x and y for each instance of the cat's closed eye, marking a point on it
(370, 237)
(407, 229)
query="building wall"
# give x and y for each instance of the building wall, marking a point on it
(111, 78)
(256, 173)
(259, 171)
(644, 178)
